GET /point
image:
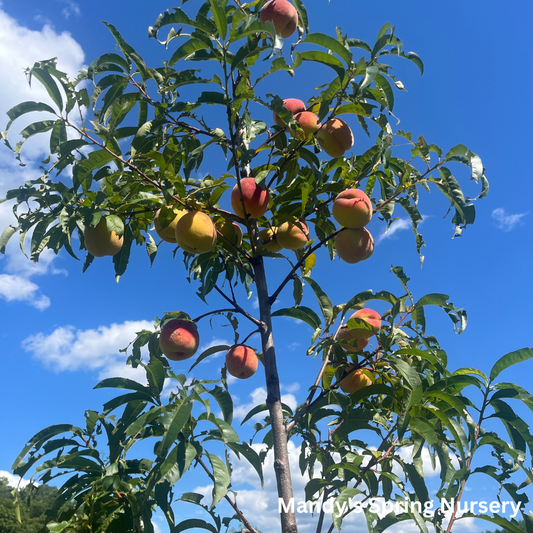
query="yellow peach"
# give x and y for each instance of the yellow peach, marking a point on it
(168, 232)
(101, 242)
(196, 233)
(292, 235)
(335, 137)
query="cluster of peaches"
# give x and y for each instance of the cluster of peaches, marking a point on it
(196, 233)
(355, 378)
(179, 340)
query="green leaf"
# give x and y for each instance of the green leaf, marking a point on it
(300, 313)
(225, 402)
(509, 526)
(193, 523)
(251, 456)
(219, 16)
(342, 505)
(357, 43)
(409, 374)
(254, 411)
(26, 107)
(121, 383)
(208, 352)
(331, 44)
(82, 171)
(326, 59)
(510, 359)
(177, 419)
(49, 83)
(222, 478)
(323, 300)
(302, 14)
(6, 235)
(416, 59)
(186, 49)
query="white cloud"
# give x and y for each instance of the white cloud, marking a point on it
(17, 288)
(504, 221)
(21, 47)
(14, 481)
(70, 349)
(399, 224)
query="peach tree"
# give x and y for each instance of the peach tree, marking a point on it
(126, 168)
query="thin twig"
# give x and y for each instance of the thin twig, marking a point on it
(237, 307)
(228, 499)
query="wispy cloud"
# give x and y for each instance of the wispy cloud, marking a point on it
(504, 221)
(71, 8)
(399, 224)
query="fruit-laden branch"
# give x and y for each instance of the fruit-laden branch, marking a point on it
(279, 431)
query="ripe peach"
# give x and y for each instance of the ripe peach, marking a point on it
(291, 236)
(293, 105)
(101, 242)
(168, 233)
(241, 361)
(354, 381)
(282, 14)
(196, 233)
(255, 199)
(352, 209)
(346, 335)
(354, 245)
(335, 137)
(231, 232)
(179, 339)
(308, 122)
(370, 317)
(273, 245)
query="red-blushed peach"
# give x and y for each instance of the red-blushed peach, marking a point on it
(292, 235)
(354, 381)
(168, 233)
(293, 105)
(352, 209)
(179, 339)
(196, 233)
(282, 14)
(241, 361)
(231, 232)
(345, 335)
(354, 245)
(101, 242)
(271, 243)
(255, 199)
(370, 317)
(335, 137)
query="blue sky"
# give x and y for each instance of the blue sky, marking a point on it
(61, 330)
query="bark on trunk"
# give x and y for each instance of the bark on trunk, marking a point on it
(279, 432)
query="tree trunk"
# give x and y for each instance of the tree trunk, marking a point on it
(279, 431)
